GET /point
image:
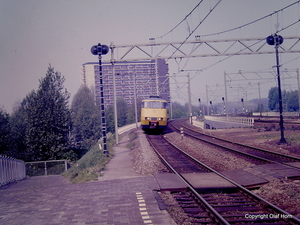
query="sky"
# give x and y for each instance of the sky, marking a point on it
(36, 33)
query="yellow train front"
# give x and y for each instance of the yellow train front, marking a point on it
(154, 114)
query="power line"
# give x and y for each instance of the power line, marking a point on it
(195, 28)
(206, 68)
(247, 24)
(180, 21)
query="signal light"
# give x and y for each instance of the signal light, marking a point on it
(274, 39)
(99, 49)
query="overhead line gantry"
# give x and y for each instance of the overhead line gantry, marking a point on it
(224, 47)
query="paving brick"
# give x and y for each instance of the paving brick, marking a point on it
(52, 200)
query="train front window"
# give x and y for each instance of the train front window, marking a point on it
(144, 104)
(154, 105)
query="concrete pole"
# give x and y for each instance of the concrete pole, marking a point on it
(135, 104)
(260, 106)
(156, 77)
(207, 104)
(190, 101)
(298, 91)
(226, 106)
(112, 47)
(171, 109)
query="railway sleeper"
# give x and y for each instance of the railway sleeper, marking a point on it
(233, 205)
(261, 221)
(196, 212)
(186, 203)
(235, 194)
(199, 216)
(225, 195)
(231, 201)
(224, 198)
(202, 219)
(183, 198)
(220, 198)
(234, 208)
(201, 222)
(192, 210)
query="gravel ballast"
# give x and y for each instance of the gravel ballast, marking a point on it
(283, 193)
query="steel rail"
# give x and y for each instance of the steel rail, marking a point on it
(203, 201)
(266, 203)
(292, 158)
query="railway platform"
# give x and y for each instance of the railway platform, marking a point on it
(121, 196)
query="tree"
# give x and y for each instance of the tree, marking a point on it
(126, 114)
(18, 123)
(179, 111)
(48, 118)
(273, 99)
(289, 98)
(122, 109)
(131, 114)
(86, 118)
(109, 118)
(260, 107)
(4, 132)
(292, 101)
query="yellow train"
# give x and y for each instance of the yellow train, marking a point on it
(154, 115)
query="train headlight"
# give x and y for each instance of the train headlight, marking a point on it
(147, 118)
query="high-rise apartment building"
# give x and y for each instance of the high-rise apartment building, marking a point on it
(151, 79)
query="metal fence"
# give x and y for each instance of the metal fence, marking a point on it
(11, 170)
(45, 168)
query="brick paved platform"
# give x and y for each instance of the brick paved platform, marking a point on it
(53, 200)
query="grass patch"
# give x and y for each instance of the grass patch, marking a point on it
(89, 167)
(270, 137)
(293, 138)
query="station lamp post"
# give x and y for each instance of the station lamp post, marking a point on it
(278, 40)
(101, 50)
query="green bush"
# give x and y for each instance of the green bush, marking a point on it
(89, 167)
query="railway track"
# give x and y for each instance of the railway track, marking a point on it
(262, 155)
(236, 205)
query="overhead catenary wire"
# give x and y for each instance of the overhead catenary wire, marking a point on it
(181, 21)
(249, 23)
(218, 33)
(203, 69)
(195, 28)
